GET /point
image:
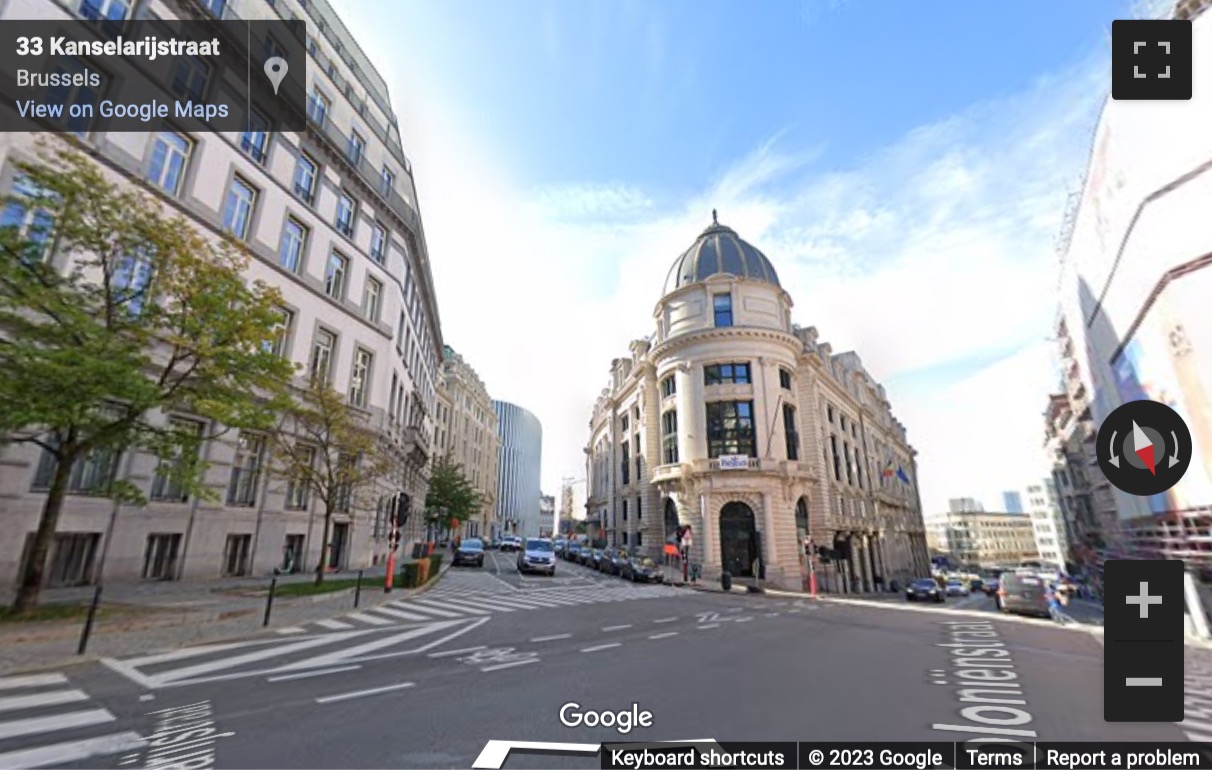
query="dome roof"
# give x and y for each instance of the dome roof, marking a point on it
(719, 250)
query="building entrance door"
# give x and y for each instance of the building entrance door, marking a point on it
(738, 539)
(340, 540)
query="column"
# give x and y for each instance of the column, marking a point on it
(769, 555)
(871, 543)
(706, 534)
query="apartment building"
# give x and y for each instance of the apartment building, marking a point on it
(330, 217)
(467, 433)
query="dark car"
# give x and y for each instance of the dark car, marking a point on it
(470, 553)
(585, 557)
(595, 558)
(1022, 594)
(642, 569)
(605, 562)
(618, 560)
(573, 552)
(991, 587)
(924, 590)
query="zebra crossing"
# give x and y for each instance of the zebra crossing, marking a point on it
(465, 597)
(45, 722)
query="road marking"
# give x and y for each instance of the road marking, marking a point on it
(292, 630)
(449, 653)
(401, 614)
(35, 725)
(53, 698)
(500, 666)
(742, 620)
(551, 638)
(602, 647)
(711, 625)
(617, 628)
(772, 614)
(430, 608)
(363, 693)
(350, 654)
(459, 605)
(736, 609)
(485, 603)
(309, 674)
(60, 754)
(664, 620)
(336, 625)
(470, 626)
(362, 617)
(665, 635)
(33, 680)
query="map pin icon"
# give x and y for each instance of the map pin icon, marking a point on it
(275, 70)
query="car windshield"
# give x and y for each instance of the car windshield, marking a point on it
(472, 545)
(924, 584)
(538, 545)
(647, 562)
(956, 584)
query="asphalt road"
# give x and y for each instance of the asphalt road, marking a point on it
(430, 694)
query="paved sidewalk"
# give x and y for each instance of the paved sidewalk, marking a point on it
(185, 614)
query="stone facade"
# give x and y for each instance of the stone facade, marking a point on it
(743, 426)
(467, 432)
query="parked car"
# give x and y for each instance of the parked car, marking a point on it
(511, 543)
(923, 590)
(991, 587)
(642, 569)
(618, 559)
(957, 588)
(573, 552)
(1023, 595)
(560, 545)
(595, 558)
(470, 552)
(538, 555)
(585, 557)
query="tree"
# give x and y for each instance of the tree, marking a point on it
(326, 447)
(451, 496)
(148, 316)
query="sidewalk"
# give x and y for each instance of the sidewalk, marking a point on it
(144, 618)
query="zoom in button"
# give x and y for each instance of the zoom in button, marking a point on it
(1144, 448)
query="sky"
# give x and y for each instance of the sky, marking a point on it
(905, 166)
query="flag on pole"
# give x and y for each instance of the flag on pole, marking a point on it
(888, 472)
(900, 474)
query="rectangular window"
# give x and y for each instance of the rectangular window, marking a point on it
(237, 213)
(359, 381)
(373, 298)
(190, 78)
(837, 460)
(104, 10)
(169, 158)
(719, 374)
(160, 556)
(293, 246)
(669, 386)
(858, 468)
(625, 463)
(347, 209)
(784, 379)
(730, 429)
(378, 243)
(246, 471)
(317, 107)
(92, 474)
(320, 365)
(669, 437)
(130, 283)
(307, 175)
(255, 141)
(281, 341)
(388, 182)
(624, 511)
(639, 458)
(625, 424)
(790, 433)
(168, 485)
(236, 555)
(342, 492)
(334, 275)
(32, 222)
(723, 309)
(71, 91)
(849, 467)
(639, 508)
(357, 145)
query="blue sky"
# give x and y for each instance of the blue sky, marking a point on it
(905, 165)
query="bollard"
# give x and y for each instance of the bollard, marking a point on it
(358, 590)
(269, 601)
(88, 622)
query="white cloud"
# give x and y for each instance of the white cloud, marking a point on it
(934, 252)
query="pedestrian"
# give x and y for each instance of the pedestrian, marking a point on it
(1054, 605)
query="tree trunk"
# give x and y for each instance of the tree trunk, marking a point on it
(322, 566)
(34, 569)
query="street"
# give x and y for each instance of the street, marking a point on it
(496, 655)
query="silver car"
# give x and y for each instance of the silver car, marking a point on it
(538, 555)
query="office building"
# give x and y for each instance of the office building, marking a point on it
(519, 471)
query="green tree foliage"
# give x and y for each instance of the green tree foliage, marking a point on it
(327, 447)
(112, 311)
(451, 496)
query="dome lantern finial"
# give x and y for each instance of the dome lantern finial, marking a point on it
(715, 220)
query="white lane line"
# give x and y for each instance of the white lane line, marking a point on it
(711, 625)
(53, 698)
(736, 609)
(35, 725)
(60, 754)
(665, 635)
(602, 647)
(551, 638)
(402, 615)
(434, 610)
(33, 680)
(742, 620)
(309, 674)
(370, 620)
(449, 653)
(771, 614)
(292, 630)
(500, 666)
(336, 625)
(458, 605)
(486, 603)
(617, 628)
(664, 620)
(364, 693)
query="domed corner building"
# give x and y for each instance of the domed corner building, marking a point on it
(782, 456)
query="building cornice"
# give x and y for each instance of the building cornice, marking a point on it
(676, 343)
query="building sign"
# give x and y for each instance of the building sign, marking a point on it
(734, 462)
